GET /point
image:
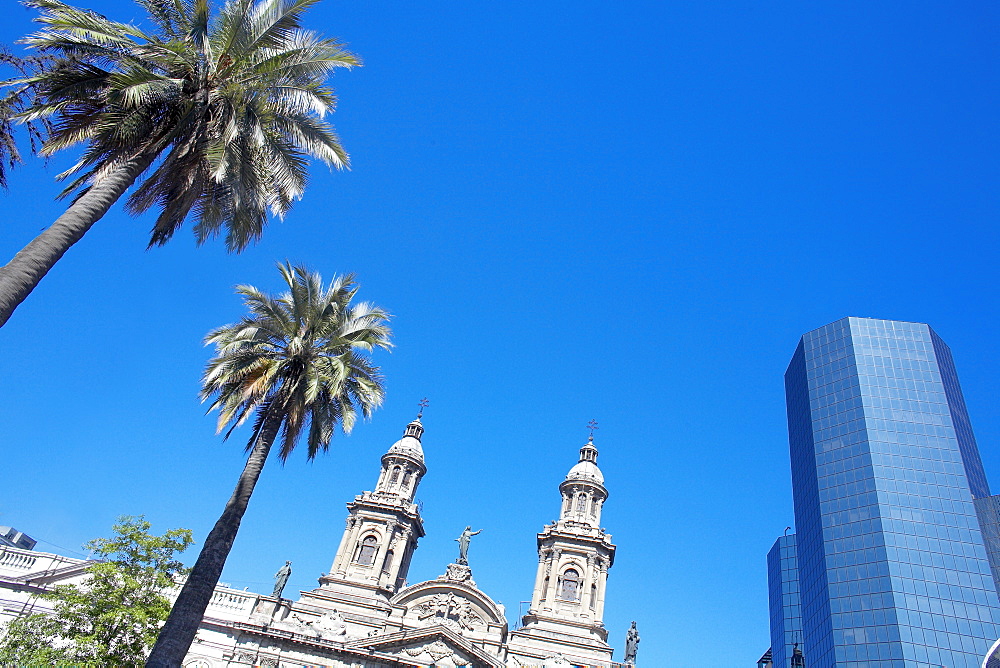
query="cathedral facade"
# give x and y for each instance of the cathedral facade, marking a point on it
(363, 614)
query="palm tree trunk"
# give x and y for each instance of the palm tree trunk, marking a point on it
(181, 626)
(20, 276)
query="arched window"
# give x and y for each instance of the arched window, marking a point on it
(570, 590)
(593, 506)
(387, 564)
(366, 555)
(406, 478)
(395, 476)
(581, 503)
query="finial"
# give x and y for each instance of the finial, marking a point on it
(592, 425)
(423, 403)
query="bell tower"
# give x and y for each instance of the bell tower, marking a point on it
(383, 526)
(574, 555)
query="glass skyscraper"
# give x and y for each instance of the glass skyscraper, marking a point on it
(893, 571)
(785, 611)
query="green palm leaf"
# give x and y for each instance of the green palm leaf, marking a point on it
(216, 118)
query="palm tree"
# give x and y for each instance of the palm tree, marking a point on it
(9, 108)
(12, 105)
(220, 114)
(299, 364)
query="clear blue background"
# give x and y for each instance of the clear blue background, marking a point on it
(621, 211)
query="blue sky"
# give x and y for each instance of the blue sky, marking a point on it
(620, 211)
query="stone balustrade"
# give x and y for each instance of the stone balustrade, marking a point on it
(19, 560)
(233, 601)
(225, 600)
(18, 563)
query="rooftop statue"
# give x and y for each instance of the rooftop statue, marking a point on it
(281, 579)
(631, 645)
(463, 544)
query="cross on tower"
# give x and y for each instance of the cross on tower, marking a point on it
(423, 403)
(592, 425)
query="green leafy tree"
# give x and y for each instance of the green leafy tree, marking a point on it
(218, 115)
(36, 640)
(113, 617)
(299, 363)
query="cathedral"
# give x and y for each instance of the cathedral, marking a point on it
(364, 614)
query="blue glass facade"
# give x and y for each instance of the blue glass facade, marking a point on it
(783, 591)
(988, 510)
(893, 570)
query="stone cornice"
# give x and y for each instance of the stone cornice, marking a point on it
(389, 457)
(378, 503)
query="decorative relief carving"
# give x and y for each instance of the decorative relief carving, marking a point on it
(330, 626)
(459, 573)
(437, 650)
(198, 663)
(469, 618)
(448, 610)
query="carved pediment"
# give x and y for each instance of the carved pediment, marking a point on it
(438, 646)
(457, 605)
(449, 610)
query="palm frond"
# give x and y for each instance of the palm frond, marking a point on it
(288, 354)
(232, 105)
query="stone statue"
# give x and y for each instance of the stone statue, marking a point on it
(281, 579)
(463, 545)
(631, 645)
(331, 626)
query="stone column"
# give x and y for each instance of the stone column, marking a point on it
(409, 547)
(602, 582)
(390, 570)
(338, 560)
(552, 571)
(588, 607)
(536, 595)
(597, 513)
(382, 479)
(352, 542)
(383, 547)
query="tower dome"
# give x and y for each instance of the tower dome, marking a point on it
(409, 445)
(586, 469)
(583, 489)
(403, 465)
